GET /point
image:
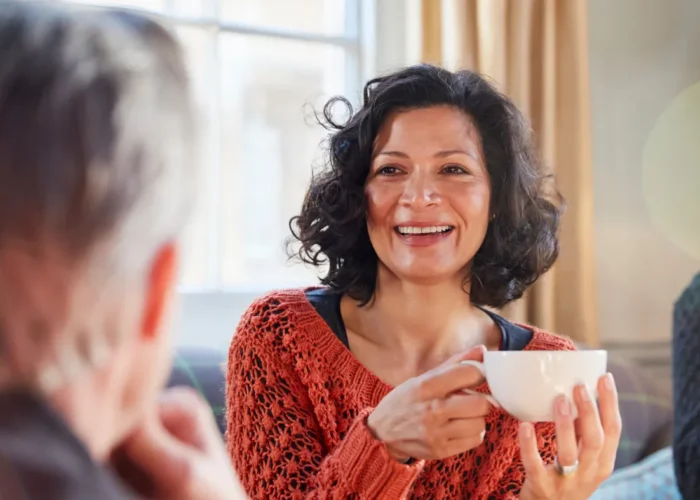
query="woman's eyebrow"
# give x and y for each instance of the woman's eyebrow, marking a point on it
(399, 154)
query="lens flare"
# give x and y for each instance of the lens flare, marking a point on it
(671, 172)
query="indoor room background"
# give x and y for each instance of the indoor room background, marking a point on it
(597, 86)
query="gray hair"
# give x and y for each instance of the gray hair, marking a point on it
(96, 150)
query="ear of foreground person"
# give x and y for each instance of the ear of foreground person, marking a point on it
(96, 169)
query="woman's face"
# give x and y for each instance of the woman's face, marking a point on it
(428, 194)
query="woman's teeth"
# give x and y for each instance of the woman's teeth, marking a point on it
(405, 230)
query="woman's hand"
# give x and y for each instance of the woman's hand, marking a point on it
(178, 453)
(427, 418)
(586, 447)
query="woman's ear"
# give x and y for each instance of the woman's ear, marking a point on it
(161, 282)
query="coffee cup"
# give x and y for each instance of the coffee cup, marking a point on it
(526, 383)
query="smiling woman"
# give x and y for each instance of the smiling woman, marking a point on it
(433, 205)
(417, 126)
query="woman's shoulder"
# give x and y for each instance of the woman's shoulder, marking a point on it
(275, 302)
(546, 341)
(276, 319)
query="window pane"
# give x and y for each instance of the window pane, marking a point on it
(269, 144)
(313, 16)
(200, 52)
(192, 8)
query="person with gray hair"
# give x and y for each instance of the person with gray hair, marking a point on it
(96, 168)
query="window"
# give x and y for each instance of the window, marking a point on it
(260, 68)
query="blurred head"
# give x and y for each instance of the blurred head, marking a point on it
(95, 169)
(434, 179)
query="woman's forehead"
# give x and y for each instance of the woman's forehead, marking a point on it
(429, 131)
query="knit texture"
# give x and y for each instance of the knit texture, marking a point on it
(297, 403)
(686, 387)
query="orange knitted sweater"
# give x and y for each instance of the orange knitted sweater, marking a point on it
(297, 402)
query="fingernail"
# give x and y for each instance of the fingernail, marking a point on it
(583, 393)
(526, 429)
(609, 381)
(563, 406)
(482, 435)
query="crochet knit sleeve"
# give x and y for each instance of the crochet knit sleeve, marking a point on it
(273, 435)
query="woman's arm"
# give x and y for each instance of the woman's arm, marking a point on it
(686, 390)
(275, 441)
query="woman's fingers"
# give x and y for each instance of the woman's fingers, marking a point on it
(535, 469)
(567, 446)
(611, 423)
(447, 379)
(590, 430)
(456, 446)
(465, 428)
(592, 439)
(452, 375)
(461, 406)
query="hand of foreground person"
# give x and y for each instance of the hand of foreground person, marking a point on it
(178, 453)
(427, 417)
(586, 447)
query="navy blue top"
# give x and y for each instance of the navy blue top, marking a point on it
(327, 303)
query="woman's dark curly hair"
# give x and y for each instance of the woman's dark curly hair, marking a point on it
(521, 240)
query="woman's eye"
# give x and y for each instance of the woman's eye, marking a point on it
(454, 169)
(388, 170)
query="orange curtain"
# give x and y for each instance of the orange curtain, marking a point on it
(536, 51)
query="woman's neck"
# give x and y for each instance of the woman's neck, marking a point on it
(422, 321)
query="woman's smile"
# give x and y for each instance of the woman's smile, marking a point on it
(423, 234)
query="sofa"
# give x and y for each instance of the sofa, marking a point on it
(643, 469)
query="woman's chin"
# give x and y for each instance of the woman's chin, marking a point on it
(429, 276)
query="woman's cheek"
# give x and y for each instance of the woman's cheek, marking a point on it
(377, 204)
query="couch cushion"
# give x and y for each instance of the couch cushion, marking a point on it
(646, 409)
(652, 478)
(202, 369)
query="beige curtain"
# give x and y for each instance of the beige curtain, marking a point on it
(537, 52)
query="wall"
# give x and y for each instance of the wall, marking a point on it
(642, 54)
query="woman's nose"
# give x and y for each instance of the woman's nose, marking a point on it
(420, 191)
